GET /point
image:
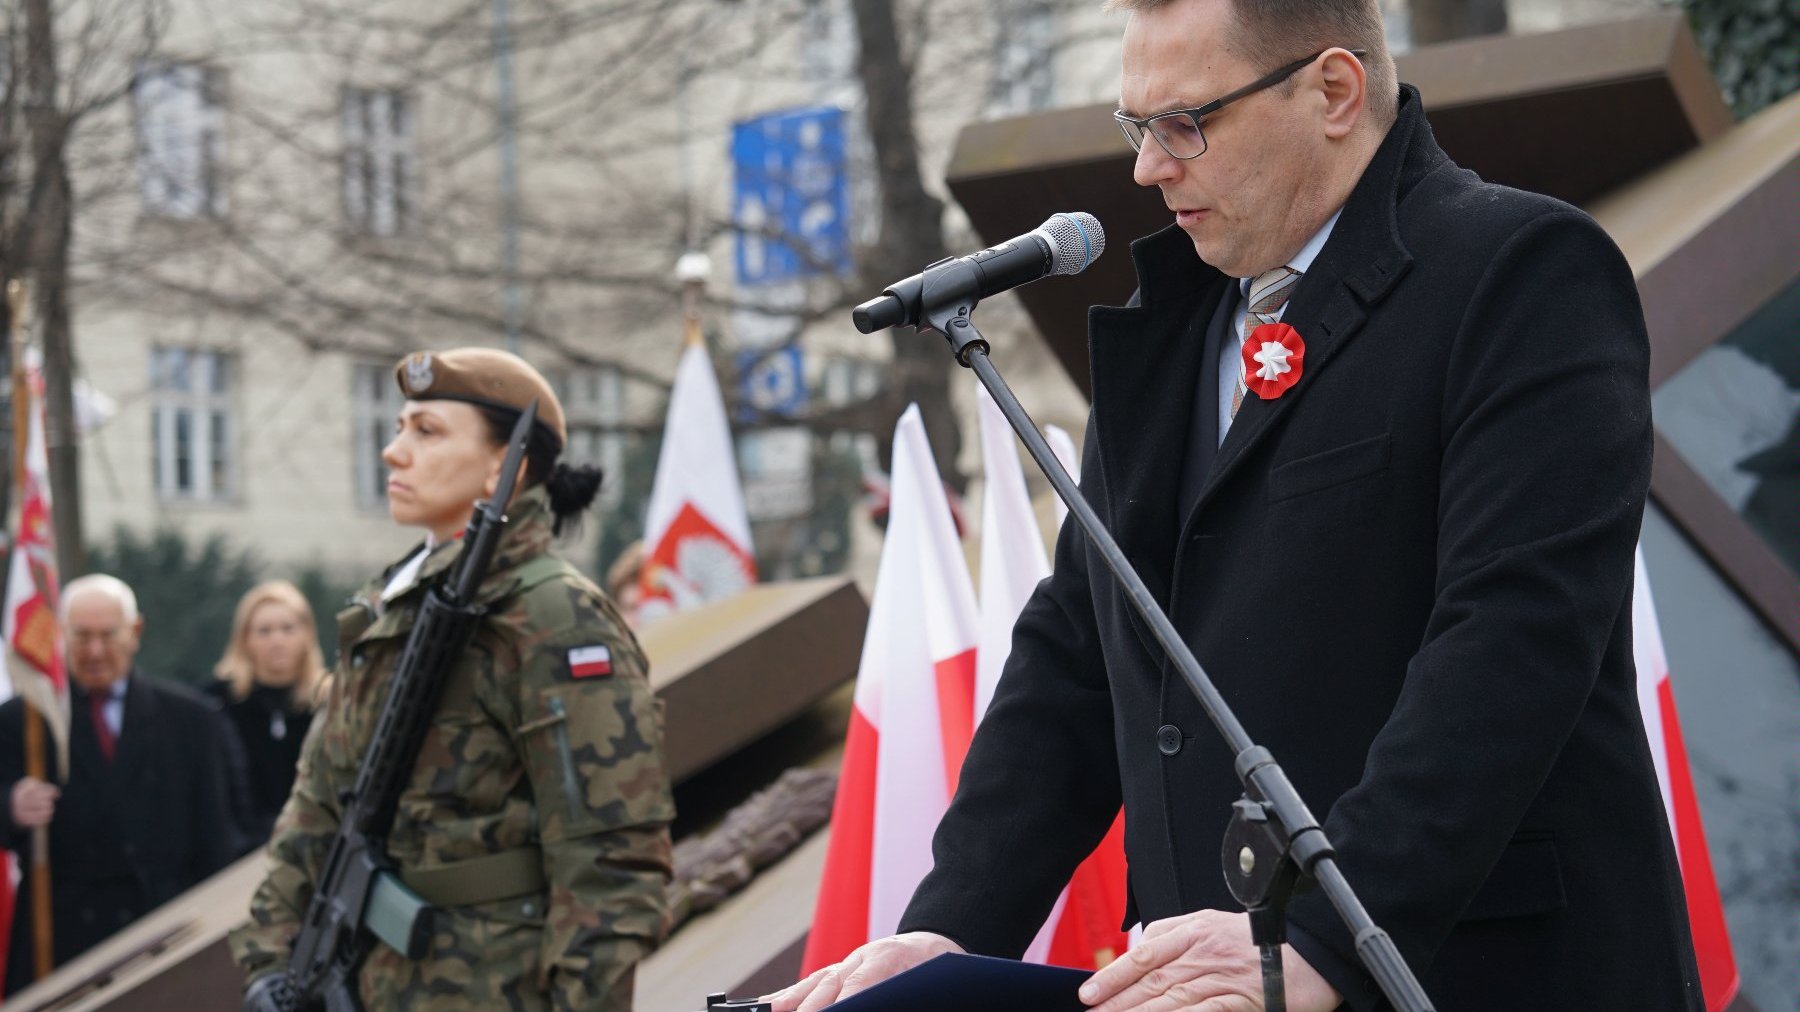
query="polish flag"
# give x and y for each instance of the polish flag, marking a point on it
(1083, 928)
(912, 718)
(1706, 914)
(697, 534)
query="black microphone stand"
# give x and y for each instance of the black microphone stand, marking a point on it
(1273, 842)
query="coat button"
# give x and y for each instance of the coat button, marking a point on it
(1168, 739)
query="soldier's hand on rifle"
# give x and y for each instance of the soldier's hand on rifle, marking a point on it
(33, 803)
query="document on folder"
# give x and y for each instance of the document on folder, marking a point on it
(957, 983)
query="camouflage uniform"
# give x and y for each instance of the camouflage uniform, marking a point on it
(521, 753)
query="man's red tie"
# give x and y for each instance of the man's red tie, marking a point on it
(102, 730)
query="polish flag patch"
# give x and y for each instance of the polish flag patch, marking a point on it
(590, 662)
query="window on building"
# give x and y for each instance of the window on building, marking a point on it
(378, 161)
(851, 381)
(375, 403)
(1024, 56)
(180, 139)
(593, 399)
(192, 427)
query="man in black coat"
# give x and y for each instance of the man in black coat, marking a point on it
(146, 811)
(1405, 559)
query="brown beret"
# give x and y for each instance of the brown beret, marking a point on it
(484, 376)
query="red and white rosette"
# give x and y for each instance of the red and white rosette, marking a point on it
(1273, 358)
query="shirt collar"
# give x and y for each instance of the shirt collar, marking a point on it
(114, 691)
(1303, 260)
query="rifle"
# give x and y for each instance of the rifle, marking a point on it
(359, 896)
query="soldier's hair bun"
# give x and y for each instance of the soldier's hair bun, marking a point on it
(572, 491)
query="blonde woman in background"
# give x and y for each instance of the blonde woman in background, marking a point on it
(270, 678)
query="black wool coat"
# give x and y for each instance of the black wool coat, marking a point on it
(271, 730)
(128, 835)
(1410, 575)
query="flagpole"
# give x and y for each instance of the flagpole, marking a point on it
(42, 951)
(692, 269)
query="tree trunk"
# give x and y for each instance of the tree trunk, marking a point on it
(47, 221)
(912, 234)
(1443, 20)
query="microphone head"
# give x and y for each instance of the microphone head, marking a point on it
(1076, 241)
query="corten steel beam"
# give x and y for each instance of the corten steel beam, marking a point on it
(1572, 113)
(732, 671)
(1712, 237)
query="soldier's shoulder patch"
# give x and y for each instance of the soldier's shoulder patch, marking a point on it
(590, 662)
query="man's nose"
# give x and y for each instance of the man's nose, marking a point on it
(1154, 166)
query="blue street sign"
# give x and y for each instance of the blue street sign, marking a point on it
(790, 199)
(771, 381)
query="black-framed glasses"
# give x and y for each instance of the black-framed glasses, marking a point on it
(1179, 132)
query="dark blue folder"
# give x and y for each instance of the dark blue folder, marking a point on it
(958, 983)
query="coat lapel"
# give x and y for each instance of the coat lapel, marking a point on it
(1361, 262)
(132, 750)
(1145, 363)
(85, 759)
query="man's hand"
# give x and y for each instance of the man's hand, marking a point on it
(33, 803)
(1204, 962)
(867, 966)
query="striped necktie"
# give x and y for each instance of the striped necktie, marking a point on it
(1269, 291)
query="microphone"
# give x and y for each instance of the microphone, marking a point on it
(1066, 243)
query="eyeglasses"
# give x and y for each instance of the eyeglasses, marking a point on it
(1178, 131)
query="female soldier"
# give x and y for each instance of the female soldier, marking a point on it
(537, 819)
(268, 683)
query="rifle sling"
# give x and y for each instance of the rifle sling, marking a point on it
(485, 879)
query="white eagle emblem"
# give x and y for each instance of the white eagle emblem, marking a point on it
(418, 372)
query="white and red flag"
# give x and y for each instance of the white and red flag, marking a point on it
(1083, 928)
(697, 533)
(1656, 698)
(912, 718)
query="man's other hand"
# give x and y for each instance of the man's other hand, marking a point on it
(867, 966)
(33, 803)
(1203, 962)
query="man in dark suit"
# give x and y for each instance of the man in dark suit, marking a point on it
(1398, 536)
(145, 812)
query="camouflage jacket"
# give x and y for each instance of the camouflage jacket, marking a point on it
(522, 752)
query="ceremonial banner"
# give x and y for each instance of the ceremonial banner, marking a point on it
(913, 713)
(31, 666)
(1656, 699)
(33, 660)
(697, 533)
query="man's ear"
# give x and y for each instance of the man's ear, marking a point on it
(1344, 83)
